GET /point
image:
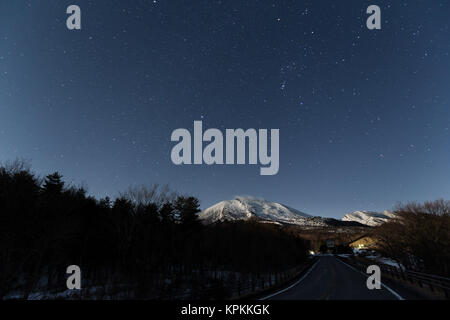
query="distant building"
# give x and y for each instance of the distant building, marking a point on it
(365, 242)
(330, 243)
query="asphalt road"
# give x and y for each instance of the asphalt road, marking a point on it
(331, 279)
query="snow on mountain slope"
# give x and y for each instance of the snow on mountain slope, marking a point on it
(243, 208)
(369, 218)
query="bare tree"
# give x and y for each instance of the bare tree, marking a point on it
(419, 236)
(145, 195)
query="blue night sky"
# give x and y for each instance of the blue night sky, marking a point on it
(364, 115)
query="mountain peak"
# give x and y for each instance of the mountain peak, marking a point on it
(369, 218)
(244, 208)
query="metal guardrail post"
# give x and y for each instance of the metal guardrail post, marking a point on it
(420, 283)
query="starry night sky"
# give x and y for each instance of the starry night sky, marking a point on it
(364, 115)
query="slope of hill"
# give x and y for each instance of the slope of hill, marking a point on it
(369, 218)
(244, 208)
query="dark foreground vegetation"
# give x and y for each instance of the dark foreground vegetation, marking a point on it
(419, 238)
(145, 244)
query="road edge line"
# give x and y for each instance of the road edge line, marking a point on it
(292, 285)
(395, 294)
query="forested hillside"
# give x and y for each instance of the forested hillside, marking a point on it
(147, 243)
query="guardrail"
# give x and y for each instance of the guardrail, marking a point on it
(434, 283)
(247, 286)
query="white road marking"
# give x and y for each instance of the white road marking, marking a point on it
(292, 285)
(399, 297)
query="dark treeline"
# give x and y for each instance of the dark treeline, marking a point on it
(419, 237)
(147, 240)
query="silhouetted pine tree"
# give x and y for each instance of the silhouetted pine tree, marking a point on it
(188, 208)
(139, 241)
(53, 184)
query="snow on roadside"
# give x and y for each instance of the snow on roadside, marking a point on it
(382, 260)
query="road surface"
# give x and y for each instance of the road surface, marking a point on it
(331, 279)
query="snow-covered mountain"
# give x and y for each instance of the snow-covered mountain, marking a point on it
(244, 208)
(369, 218)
